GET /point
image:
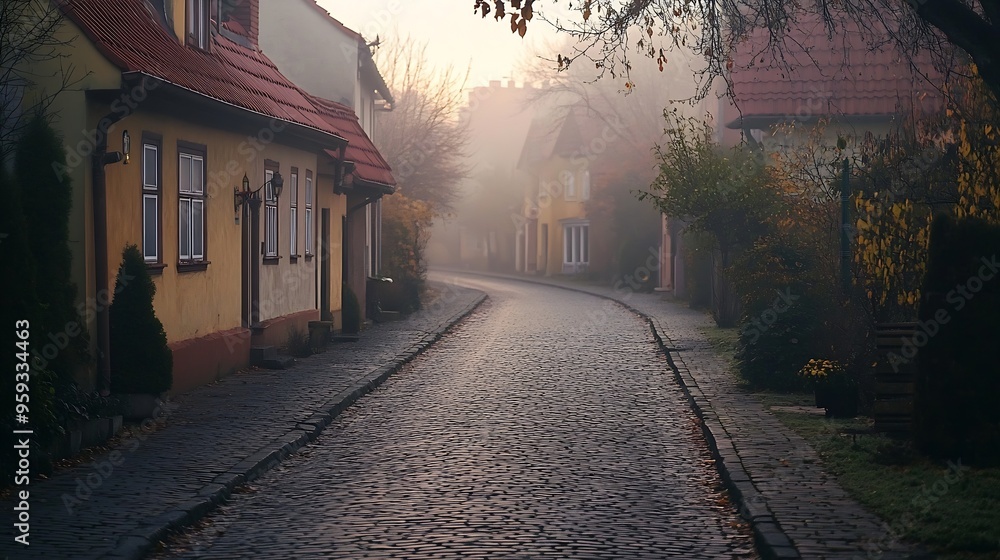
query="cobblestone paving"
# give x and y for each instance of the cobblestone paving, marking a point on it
(207, 433)
(816, 514)
(530, 431)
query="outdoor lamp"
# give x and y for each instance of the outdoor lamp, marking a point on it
(241, 197)
(126, 145)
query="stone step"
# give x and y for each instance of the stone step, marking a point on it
(261, 354)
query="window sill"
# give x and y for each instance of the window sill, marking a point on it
(155, 269)
(293, 258)
(272, 260)
(309, 257)
(193, 266)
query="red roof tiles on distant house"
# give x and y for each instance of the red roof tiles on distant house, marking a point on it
(126, 33)
(369, 165)
(827, 77)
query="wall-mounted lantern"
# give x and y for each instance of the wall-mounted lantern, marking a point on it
(245, 195)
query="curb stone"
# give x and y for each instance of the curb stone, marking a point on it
(771, 540)
(138, 542)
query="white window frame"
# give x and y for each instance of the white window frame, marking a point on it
(568, 179)
(191, 206)
(151, 195)
(293, 213)
(585, 185)
(576, 246)
(270, 216)
(309, 213)
(197, 27)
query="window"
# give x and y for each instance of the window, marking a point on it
(585, 186)
(309, 213)
(293, 213)
(152, 230)
(576, 247)
(570, 184)
(270, 212)
(197, 23)
(191, 183)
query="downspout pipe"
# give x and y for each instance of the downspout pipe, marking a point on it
(364, 203)
(101, 158)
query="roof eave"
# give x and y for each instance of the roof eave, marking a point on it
(304, 132)
(765, 121)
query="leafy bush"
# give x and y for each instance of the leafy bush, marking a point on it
(958, 381)
(141, 360)
(405, 231)
(729, 195)
(352, 311)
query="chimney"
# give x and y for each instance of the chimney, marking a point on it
(494, 83)
(247, 14)
(510, 84)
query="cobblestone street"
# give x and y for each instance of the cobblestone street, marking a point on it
(529, 431)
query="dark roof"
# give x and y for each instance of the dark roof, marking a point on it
(561, 132)
(127, 34)
(827, 77)
(369, 165)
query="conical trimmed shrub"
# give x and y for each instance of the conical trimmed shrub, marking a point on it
(141, 360)
(46, 197)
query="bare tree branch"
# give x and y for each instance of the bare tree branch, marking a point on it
(31, 50)
(421, 138)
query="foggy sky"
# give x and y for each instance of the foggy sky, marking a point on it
(455, 35)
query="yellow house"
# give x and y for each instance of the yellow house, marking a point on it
(554, 235)
(183, 138)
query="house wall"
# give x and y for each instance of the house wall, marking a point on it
(337, 205)
(553, 207)
(356, 276)
(288, 286)
(311, 50)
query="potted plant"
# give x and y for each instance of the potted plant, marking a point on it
(141, 360)
(835, 390)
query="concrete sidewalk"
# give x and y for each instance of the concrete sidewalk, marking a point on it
(797, 509)
(216, 438)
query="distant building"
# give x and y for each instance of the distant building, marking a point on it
(856, 90)
(481, 235)
(334, 64)
(554, 235)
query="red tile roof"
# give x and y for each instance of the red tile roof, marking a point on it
(841, 76)
(369, 165)
(128, 35)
